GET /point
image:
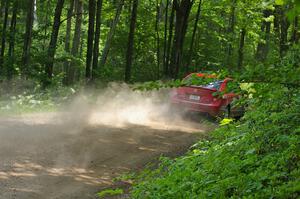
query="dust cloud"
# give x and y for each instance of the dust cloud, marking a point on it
(97, 136)
(119, 106)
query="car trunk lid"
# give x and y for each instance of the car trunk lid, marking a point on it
(196, 94)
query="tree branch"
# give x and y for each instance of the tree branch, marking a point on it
(75, 14)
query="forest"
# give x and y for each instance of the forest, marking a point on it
(67, 42)
(51, 49)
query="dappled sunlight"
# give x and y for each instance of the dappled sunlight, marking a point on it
(28, 169)
(84, 146)
(3, 176)
(21, 174)
(45, 154)
(148, 149)
(22, 190)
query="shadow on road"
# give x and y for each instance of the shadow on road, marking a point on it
(42, 159)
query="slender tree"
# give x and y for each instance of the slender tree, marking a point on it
(295, 33)
(191, 49)
(241, 49)
(3, 38)
(276, 22)
(263, 47)
(183, 9)
(130, 44)
(53, 41)
(158, 5)
(111, 33)
(76, 42)
(230, 31)
(2, 2)
(46, 22)
(68, 35)
(166, 34)
(89, 54)
(11, 47)
(284, 26)
(28, 38)
(169, 44)
(97, 38)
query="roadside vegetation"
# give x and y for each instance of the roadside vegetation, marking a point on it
(256, 157)
(52, 50)
(31, 100)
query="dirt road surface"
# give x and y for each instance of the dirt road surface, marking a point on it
(41, 158)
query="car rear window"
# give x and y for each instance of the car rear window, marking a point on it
(192, 81)
(213, 85)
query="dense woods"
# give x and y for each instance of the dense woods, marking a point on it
(69, 43)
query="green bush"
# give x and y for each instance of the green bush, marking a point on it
(257, 157)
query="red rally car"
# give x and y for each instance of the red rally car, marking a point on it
(204, 99)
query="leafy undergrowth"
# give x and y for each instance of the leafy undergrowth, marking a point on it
(256, 157)
(35, 100)
(110, 192)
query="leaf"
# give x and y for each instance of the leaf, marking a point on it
(279, 2)
(110, 192)
(226, 121)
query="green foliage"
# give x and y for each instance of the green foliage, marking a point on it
(210, 52)
(156, 85)
(36, 100)
(110, 192)
(257, 157)
(226, 121)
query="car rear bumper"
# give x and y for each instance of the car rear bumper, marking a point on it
(212, 109)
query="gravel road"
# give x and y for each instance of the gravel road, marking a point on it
(42, 158)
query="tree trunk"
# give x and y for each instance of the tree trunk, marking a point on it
(263, 47)
(295, 34)
(97, 38)
(28, 38)
(190, 55)
(230, 32)
(111, 33)
(131, 41)
(46, 21)
(284, 26)
(170, 37)
(2, 3)
(53, 41)
(182, 13)
(276, 23)
(11, 48)
(157, 36)
(3, 38)
(166, 35)
(89, 54)
(68, 36)
(75, 43)
(241, 49)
